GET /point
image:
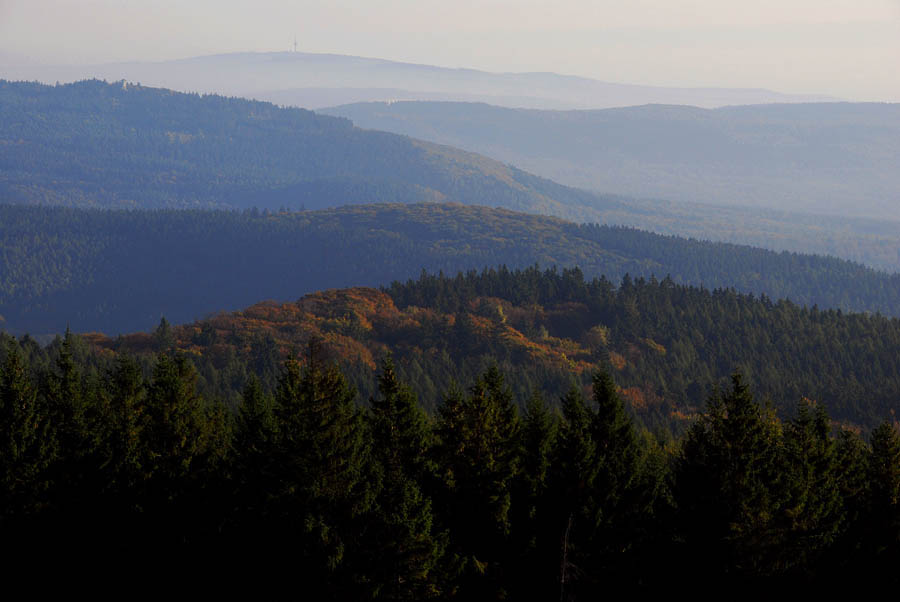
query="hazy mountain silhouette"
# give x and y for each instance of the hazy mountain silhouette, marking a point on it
(835, 158)
(317, 80)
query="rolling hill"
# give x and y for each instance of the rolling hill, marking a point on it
(288, 427)
(120, 271)
(115, 145)
(667, 345)
(94, 144)
(828, 158)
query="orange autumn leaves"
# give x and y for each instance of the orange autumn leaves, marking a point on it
(360, 325)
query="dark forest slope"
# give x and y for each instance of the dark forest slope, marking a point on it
(125, 444)
(120, 271)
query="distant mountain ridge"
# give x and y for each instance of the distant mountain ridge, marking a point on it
(828, 158)
(94, 144)
(299, 79)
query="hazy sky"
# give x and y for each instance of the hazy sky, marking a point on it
(846, 48)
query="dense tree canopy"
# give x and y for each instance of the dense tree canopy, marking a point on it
(473, 502)
(120, 271)
(98, 144)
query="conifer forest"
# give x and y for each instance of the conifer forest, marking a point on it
(323, 323)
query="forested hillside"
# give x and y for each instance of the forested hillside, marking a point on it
(759, 175)
(584, 349)
(122, 450)
(666, 344)
(94, 144)
(120, 271)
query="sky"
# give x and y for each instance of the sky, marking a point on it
(844, 48)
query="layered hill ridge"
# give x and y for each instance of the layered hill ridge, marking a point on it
(120, 271)
(94, 144)
(826, 158)
(666, 344)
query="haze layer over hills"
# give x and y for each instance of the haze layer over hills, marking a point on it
(834, 158)
(319, 80)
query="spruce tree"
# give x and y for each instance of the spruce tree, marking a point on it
(183, 442)
(253, 475)
(324, 490)
(599, 501)
(812, 514)
(122, 453)
(537, 440)
(617, 456)
(477, 435)
(254, 425)
(255, 430)
(163, 336)
(728, 488)
(884, 497)
(406, 550)
(175, 431)
(75, 435)
(574, 475)
(850, 554)
(535, 538)
(26, 444)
